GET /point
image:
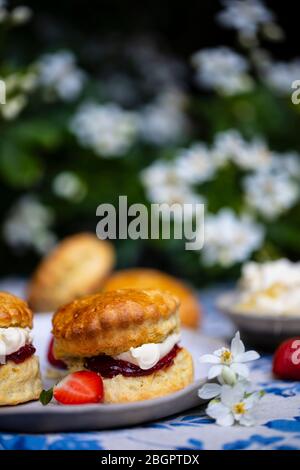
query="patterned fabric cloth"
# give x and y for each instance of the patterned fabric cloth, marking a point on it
(278, 417)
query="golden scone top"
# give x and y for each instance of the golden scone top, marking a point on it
(76, 267)
(112, 322)
(14, 312)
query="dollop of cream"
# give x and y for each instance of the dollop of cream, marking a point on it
(148, 355)
(271, 288)
(12, 339)
(261, 276)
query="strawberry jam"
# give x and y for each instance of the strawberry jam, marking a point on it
(22, 354)
(109, 367)
(52, 359)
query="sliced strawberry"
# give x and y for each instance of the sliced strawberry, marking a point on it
(52, 359)
(78, 388)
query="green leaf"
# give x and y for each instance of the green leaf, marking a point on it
(38, 132)
(18, 166)
(46, 396)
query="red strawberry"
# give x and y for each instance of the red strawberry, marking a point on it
(286, 361)
(79, 387)
(52, 359)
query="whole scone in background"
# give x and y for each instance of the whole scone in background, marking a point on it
(76, 267)
(142, 278)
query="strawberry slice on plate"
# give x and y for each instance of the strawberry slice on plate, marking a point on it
(79, 388)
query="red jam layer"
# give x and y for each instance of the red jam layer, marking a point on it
(22, 354)
(108, 367)
(52, 359)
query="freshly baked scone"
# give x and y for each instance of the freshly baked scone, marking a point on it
(141, 278)
(130, 337)
(76, 267)
(20, 379)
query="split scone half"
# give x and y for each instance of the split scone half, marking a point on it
(130, 337)
(20, 379)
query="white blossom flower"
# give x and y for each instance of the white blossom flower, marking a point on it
(165, 185)
(223, 70)
(59, 74)
(164, 121)
(271, 194)
(195, 164)
(179, 197)
(231, 146)
(227, 145)
(280, 75)
(253, 155)
(233, 406)
(230, 363)
(28, 225)
(68, 185)
(246, 16)
(107, 129)
(21, 14)
(287, 163)
(13, 107)
(230, 239)
(161, 173)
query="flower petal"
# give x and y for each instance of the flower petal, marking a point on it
(214, 371)
(217, 410)
(247, 356)
(252, 400)
(237, 346)
(209, 391)
(232, 395)
(247, 419)
(227, 420)
(209, 359)
(240, 369)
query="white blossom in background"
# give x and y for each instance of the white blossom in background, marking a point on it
(230, 239)
(287, 163)
(161, 173)
(59, 75)
(280, 75)
(13, 107)
(21, 15)
(271, 194)
(195, 164)
(107, 129)
(253, 155)
(68, 185)
(223, 70)
(231, 146)
(28, 226)
(177, 195)
(245, 16)
(227, 145)
(164, 184)
(164, 121)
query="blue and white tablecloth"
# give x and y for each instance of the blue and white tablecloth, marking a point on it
(278, 419)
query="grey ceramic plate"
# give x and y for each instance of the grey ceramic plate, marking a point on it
(263, 330)
(33, 417)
